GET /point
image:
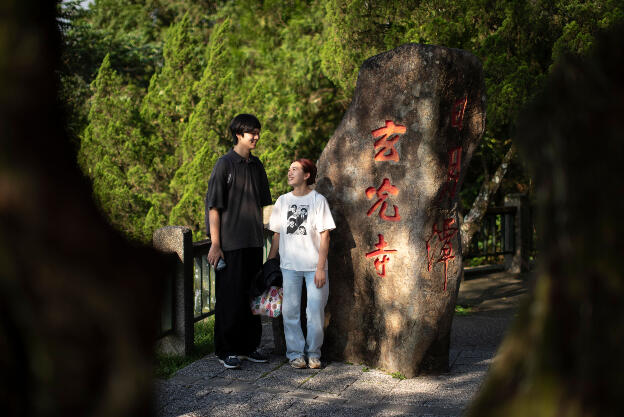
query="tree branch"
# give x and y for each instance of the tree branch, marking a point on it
(472, 220)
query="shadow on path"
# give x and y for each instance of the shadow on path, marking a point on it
(205, 388)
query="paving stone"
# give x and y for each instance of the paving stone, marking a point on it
(250, 371)
(477, 369)
(165, 393)
(334, 378)
(330, 398)
(277, 405)
(475, 357)
(479, 331)
(391, 410)
(208, 367)
(415, 391)
(312, 408)
(302, 394)
(219, 382)
(188, 401)
(170, 393)
(453, 354)
(455, 394)
(238, 387)
(205, 388)
(372, 386)
(286, 376)
(273, 389)
(249, 403)
(185, 380)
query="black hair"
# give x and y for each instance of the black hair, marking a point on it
(244, 123)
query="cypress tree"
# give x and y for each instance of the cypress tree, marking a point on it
(206, 137)
(166, 109)
(113, 151)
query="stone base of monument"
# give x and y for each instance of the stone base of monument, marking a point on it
(392, 172)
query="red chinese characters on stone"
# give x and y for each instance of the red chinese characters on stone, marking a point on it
(381, 256)
(440, 246)
(457, 113)
(385, 144)
(452, 174)
(382, 193)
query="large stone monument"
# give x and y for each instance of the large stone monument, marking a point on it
(392, 172)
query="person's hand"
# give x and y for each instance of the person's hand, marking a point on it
(319, 278)
(214, 254)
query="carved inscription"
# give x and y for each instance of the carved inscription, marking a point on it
(382, 194)
(440, 246)
(388, 136)
(457, 113)
(381, 255)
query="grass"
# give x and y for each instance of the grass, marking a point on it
(398, 375)
(167, 365)
(463, 310)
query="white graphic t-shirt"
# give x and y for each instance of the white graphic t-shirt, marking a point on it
(300, 221)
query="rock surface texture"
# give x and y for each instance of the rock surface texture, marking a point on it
(392, 173)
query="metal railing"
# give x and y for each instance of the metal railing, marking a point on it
(203, 282)
(190, 294)
(204, 277)
(496, 236)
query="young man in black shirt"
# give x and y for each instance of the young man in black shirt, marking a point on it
(237, 191)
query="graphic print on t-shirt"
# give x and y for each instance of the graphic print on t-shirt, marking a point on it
(297, 219)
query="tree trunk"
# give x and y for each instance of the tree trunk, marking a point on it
(472, 220)
(564, 356)
(78, 304)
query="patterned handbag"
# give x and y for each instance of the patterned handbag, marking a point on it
(269, 303)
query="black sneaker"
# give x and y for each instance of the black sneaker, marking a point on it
(254, 356)
(230, 362)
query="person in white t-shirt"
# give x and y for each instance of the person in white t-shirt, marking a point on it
(302, 238)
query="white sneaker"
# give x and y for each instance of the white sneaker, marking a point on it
(314, 363)
(298, 363)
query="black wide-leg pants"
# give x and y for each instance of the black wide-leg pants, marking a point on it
(236, 331)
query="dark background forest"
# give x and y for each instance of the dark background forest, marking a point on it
(149, 86)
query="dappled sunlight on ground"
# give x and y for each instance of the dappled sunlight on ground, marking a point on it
(205, 388)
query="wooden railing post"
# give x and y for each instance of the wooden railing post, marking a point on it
(519, 260)
(178, 240)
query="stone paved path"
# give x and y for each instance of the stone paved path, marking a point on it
(205, 388)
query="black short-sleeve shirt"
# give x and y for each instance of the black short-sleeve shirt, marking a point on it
(239, 188)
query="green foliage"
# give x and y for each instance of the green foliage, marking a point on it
(166, 109)
(156, 116)
(113, 152)
(205, 137)
(191, 183)
(398, 375)
(462, 310)
(517, 42)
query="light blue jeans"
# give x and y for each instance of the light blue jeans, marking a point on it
(296, 346)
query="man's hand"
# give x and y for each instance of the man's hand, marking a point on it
(214, 254)
(274, 246)
(319, 278)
